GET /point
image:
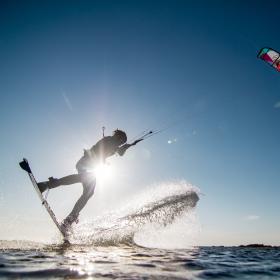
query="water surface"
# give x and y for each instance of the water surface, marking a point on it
(35, 260)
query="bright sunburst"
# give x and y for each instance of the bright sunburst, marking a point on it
(103, 172)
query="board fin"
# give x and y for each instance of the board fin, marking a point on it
(25, 166)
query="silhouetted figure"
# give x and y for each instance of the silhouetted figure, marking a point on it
(104, 148)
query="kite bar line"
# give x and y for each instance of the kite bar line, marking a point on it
(145, 135)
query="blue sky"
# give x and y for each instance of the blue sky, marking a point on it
(68, 68)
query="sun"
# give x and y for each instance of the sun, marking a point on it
(103, 172)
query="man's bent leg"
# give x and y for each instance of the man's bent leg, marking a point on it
(88, 190)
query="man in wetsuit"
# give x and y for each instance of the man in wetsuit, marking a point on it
(104, 148)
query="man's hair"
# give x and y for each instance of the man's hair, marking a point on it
(121, 135)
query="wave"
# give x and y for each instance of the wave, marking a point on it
(144, 220)
(160, 207)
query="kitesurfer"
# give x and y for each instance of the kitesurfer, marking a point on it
(104, 148)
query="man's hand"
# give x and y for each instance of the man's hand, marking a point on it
(136, 141)
(121, 150)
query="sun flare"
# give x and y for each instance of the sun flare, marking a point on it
(103, 172)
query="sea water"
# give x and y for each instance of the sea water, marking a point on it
(32, 260)
(151, 238)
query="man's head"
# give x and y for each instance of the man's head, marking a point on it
(120, 137)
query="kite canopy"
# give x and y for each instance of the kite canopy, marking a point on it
(270, 56)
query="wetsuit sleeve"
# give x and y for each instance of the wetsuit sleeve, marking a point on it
(121, 150)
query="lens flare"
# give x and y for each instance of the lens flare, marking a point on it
(103, 172)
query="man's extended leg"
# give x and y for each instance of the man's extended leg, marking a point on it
(53, 182)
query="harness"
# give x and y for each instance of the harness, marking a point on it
(90, 154)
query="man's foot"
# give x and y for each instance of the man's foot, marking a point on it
(43, 186)
(65, 227)
(67, 223)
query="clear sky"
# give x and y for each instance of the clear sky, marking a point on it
(67, 68)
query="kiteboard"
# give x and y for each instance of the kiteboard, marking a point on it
(25, 166)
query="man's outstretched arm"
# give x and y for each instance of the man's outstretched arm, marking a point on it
(121, 150)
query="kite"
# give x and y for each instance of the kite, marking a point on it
(270, 56)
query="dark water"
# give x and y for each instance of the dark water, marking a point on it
(33, 260)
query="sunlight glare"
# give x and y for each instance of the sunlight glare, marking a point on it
(103, 172)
